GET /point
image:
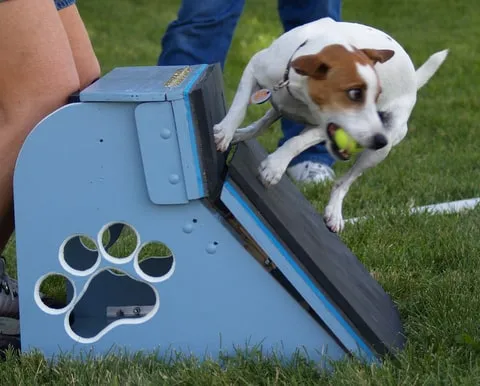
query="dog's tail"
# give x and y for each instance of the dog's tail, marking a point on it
(430, 67)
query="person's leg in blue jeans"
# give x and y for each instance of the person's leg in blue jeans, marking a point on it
(202, 32)
(313, 165)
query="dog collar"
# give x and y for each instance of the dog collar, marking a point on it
(263, 95)
(285, 81)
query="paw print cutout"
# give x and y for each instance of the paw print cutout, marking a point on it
(105, 282)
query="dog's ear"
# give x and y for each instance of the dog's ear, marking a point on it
(378, 55)
(310, 65)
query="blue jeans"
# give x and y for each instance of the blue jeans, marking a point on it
(203, 33)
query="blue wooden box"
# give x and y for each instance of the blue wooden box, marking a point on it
(136, 150)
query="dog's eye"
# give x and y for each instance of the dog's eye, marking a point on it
(355, 94)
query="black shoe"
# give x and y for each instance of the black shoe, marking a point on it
(9, 305)
(9, 310)
(8, 342)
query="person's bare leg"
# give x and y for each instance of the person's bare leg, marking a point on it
(37, 74)
(38, 71)
(86, 62)
(41, 64)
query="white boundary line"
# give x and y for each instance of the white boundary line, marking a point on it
(445, 207)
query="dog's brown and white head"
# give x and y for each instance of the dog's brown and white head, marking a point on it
(344, 87)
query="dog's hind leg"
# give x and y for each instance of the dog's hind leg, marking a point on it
(333, 212)
(258, 127)
(225, 129)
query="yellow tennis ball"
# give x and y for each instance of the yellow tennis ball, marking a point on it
(345, 142)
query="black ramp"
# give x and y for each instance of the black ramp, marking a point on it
(207, 103)
(324, 257)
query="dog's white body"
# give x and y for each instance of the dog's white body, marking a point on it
(397, 77)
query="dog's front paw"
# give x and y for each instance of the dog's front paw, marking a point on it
(333, 219)
(271, 172)
(223, 137)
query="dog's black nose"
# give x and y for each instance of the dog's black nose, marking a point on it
(379, 141)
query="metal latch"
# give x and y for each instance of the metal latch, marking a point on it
(128, 311)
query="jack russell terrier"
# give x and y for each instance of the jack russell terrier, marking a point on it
(329, 75)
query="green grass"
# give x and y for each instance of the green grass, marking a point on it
(428, 264)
